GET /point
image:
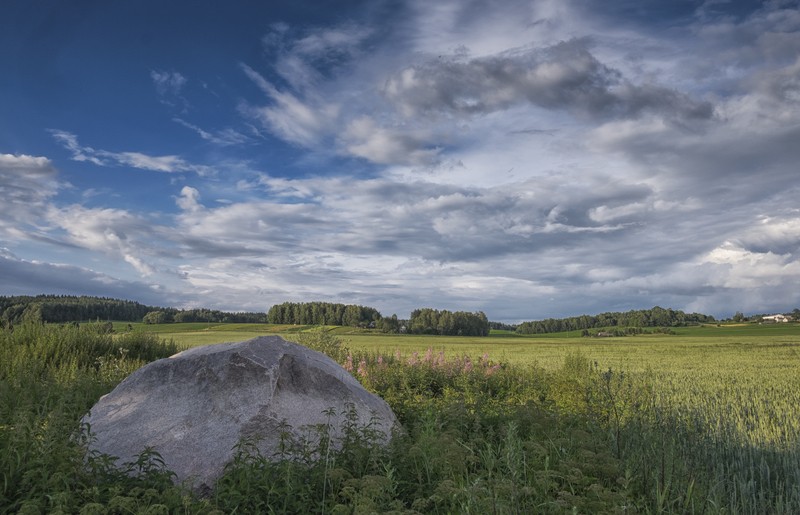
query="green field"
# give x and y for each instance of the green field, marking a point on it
(706, 420)
(741, 379)
(730, 346)
(712, 371)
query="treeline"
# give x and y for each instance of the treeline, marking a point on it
(179, 316)
(61, 309)
(68, 308)
(323, 313)
(502, 326)
(655, 317)
(458, 323)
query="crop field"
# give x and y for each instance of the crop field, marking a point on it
(706, 420)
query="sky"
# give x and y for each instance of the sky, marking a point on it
(528, 159)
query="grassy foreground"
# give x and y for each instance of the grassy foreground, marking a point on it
(707, 421)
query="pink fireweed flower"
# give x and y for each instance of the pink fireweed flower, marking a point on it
(467, 365)
(414, 359)
(380, 359)
(429, 355)
(362, 368)
(348, 364)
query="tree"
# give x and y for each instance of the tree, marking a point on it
(389, 324)
(351, 316)
(156, 317)
(459, 323)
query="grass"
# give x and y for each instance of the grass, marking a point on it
(703, 421)
(732, 343)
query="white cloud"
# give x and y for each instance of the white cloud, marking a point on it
(740, 268)
(139, 160)
(302, 122)
(114, 232)
(169, 87)
(79, 153)
(28, 185)
(432, 93)
(382, 145)
(168, 82)
(189, 199)
(224, 138)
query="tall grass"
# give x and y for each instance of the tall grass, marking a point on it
(712, 439)
(479, 436)
(49, 378)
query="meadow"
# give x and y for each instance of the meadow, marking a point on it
(702, 421)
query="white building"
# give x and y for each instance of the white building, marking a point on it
(776, 318)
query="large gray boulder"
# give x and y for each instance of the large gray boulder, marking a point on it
(194, 407)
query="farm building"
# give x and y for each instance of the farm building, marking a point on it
(776, 318)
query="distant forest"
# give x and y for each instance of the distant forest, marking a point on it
(70, 308)
(323, 313)
(458, 323)
(655, 317)
(422, 321)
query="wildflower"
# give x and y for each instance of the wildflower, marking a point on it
(467, 365)
(348, 364)
(362, 368)
(413, 360)
(429, 356)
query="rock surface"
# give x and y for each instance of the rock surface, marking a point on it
(195, 406)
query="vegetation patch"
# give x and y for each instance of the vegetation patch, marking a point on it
(651, 423)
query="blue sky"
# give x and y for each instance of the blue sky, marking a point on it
(529, 159)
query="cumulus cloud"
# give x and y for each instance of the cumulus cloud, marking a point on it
(382, 145)
(189, 199)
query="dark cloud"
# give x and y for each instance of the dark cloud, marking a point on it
(564, 76)
(33, 278)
